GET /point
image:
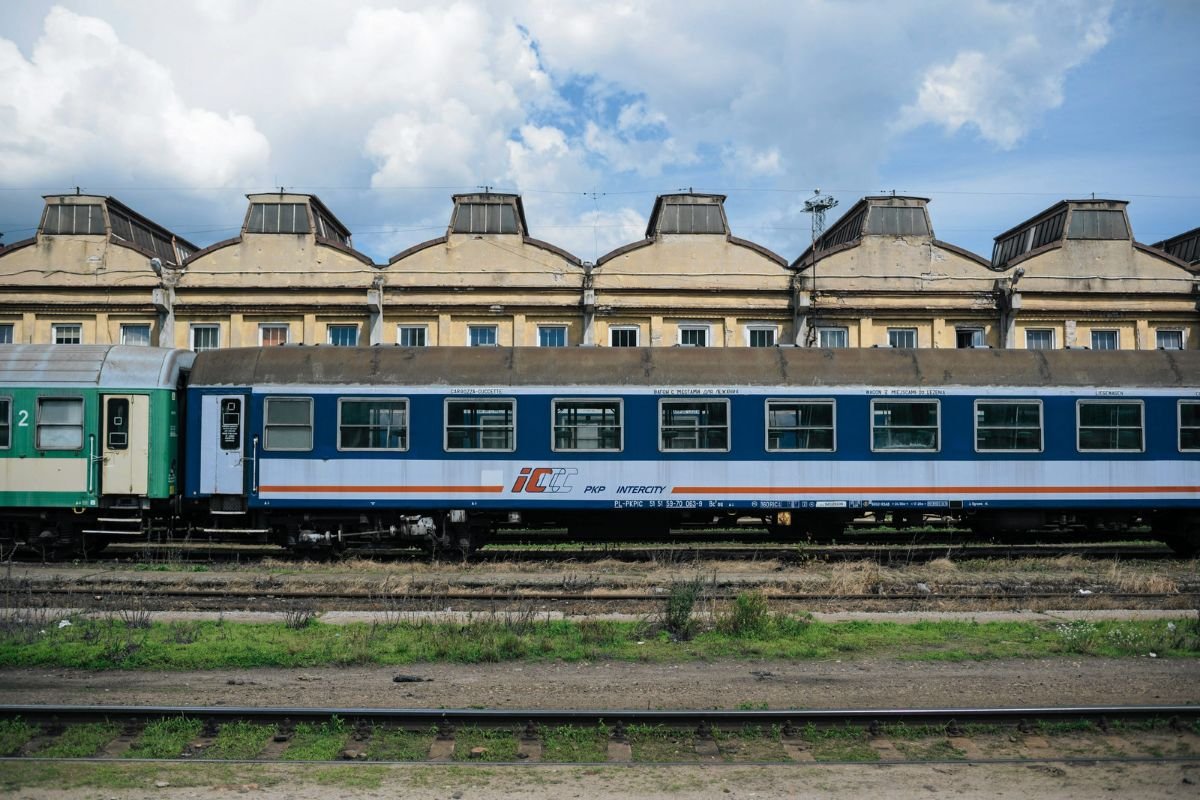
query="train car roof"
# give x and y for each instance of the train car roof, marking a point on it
(725, 367)
(92, 365)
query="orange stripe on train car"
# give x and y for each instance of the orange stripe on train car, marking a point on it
(967, 490)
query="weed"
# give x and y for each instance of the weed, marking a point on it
(499, 745)
(677, 614)
(299, 618)
(317, 742)
(240, 740)
(14, 733)
(165, 738)
(657, 744)
(390, 744)
(82, 741)
(574, 744)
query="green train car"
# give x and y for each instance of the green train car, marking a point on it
(89, 442)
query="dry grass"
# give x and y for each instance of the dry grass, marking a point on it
(855, 577)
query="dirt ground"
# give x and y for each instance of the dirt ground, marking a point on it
(1067, 781)
(864, 683)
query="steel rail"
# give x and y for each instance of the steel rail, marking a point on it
(717, 718)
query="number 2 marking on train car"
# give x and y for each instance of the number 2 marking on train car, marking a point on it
(23, 418)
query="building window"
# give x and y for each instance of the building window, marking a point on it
(6, 333)
(59, 423)
(693, 425)
(885, 220)
(67, 333)
(343, 335)
(1008, 425)
(289, 423)
(1189, 425)
(373, 424)
(902, 337)
(623, 337)
(1039, 339)
(1087, 223)
(272, 334)
(86, 220)
(481, 335)
(690, 218)
(278, 218)
(760, 335)
(137, 333)
(587, 425)
(480, 425)
(411, 336)
(1109, 425)
(799, 425)
(1105, 340)
(833, 337)
(206, 337)
(1168, 340)
(484, 218)
(968, 337)
(693, 335)
(552, 335)
(5, 423)
(904, 425)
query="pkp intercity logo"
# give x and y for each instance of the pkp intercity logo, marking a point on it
(549, 480)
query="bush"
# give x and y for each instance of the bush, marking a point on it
(677, 616)
(748, 615)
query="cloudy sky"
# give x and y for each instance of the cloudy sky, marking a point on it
(993, 109)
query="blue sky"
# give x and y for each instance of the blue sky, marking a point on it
(994, 110)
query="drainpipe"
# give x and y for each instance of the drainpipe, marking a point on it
(588, 303)
(375, 309)
(1008, 301)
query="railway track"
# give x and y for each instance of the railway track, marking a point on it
(622, 735)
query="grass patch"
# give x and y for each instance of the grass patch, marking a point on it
(240, 740)
(575, 744)
(81, 741)
(165, 738)
(390, 744)
(656, 744)
(752, 743)
(356, 777)
(14, 733)
(500, 745)
(110, 644)
(322, 742)
(839, 744)
(930, 750)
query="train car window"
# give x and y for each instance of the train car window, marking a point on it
(904, 425)
(1008, 425)
(5, 423)
(59, 423)
(481, 425)
(288, 423)
(1110, 425)
(693, 425)
(1189, 425)
(116, 424)
(800, 425)
(373, 424)
(587, 425)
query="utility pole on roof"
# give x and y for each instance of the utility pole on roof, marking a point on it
(816, 205)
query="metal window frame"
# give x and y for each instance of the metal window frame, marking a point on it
(830, 401)
(1116, 332)
(6, 420)
(636, 329)
(356, 326)
(916, 337)
(1053, 338)
(973, 329)
(692, 399)
(11, 328)
(1182, 338)
(495, 329)
(147, 325)
(1179, 425)
(843, 329)
(38, 424)
(1012, 401)
(937, 404)
(1092, 402)
(554, 326)
(512, 401)
(424, 329)
(554, 401)
(706, 327)
(267, 424)
(752, 327)
(55, 326)
(262, 326)
(371, 399)
(203, 326)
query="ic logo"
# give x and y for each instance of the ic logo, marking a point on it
(551, 480)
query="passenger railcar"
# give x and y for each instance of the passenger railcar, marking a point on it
(89, 439)
(330, 444)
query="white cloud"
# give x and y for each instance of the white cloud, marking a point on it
(86, 103)
(1005, 91)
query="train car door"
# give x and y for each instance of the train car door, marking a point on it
(222, 449)
(125, 462)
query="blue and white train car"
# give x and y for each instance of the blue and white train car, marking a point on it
(445, 443)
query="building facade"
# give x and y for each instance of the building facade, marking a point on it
(1071, 276)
